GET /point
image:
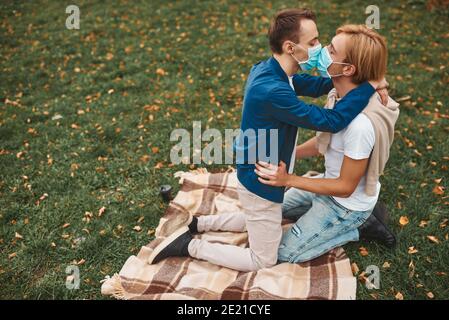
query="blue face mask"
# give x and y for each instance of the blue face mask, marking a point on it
(311, 62)
(325, 61)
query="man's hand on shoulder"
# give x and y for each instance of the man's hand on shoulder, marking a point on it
(382, 89)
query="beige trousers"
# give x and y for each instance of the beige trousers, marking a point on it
(260, 218)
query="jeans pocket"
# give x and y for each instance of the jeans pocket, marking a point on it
(290, 243)
(340, 210)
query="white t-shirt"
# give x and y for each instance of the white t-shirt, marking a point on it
(292, 159)
(356, 141)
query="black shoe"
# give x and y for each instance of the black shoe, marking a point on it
(180, 220)
(193, 225)
(374, 227)
(176, 245)
(381, 212)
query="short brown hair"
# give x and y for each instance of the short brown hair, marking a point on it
(285, 25)
(367, 51)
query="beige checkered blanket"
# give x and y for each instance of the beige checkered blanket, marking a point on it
(203, 193)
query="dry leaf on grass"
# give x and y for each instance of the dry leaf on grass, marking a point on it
(399, 296)
(423, 224)
(101, 211)
(438, 190)
(433, 239)
(412, 250)
(403, 220)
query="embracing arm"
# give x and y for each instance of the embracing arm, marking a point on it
(343, 186)
(311, 86)
(288, 108)
(307, 85)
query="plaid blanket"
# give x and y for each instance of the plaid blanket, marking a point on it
(203, 193)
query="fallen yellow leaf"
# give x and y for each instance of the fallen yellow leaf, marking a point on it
(159, 165)
(438, 190)
(399, 296)
(423, 223)
(412, 250)
(433, 239)
(403, 220)
(101, 211)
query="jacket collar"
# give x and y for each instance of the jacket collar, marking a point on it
(276, 67)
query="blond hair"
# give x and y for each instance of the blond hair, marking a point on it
(367, 51)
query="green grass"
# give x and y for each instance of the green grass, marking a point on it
(92, 157)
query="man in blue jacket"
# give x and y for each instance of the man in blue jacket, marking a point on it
(270, 103)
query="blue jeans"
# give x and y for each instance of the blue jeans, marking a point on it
(321, 224)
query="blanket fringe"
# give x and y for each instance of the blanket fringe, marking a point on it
(112, 286)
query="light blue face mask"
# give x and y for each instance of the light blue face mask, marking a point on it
(311, 62)
(325, 61)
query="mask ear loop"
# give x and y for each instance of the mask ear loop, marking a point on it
(341, 74)
(300, 62)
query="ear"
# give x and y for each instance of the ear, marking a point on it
(287, 47)
(349, 71)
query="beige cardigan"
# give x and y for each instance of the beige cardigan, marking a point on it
(383, 119)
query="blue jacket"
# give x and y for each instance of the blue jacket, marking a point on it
(270, 103)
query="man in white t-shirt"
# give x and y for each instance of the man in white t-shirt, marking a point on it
(329, 208)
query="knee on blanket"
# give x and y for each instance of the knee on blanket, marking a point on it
(261, 263)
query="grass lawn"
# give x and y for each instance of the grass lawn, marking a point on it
(86, 116)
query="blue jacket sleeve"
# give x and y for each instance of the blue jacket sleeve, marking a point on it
(311, 86)
(286, 107)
